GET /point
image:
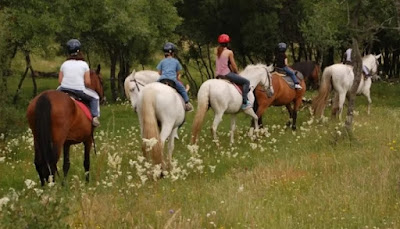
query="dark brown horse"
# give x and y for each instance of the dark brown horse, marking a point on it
(310, 71)
(58, 122)
(284, 95)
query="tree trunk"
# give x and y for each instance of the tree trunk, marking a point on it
(16, 95)
(357, 68)
(113, 61)
(27, 68)
(33, 75)
(210, 75)
(122, 74)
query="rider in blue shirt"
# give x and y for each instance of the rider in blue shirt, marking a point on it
(169, 68)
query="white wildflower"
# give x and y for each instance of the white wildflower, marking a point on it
(114, 161)
(240, 188)
(150, 143)
(2, 159)
(3, 202)
(212, 168)
(193, 148)
(253, 146)
(38, 191)
(157, 172)
(30, 183)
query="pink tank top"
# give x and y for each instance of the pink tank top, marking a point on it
(221, 65)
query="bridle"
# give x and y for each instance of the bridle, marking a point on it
(137, 83)
(268, 78)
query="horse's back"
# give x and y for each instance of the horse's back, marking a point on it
(168, 102)
(223, 95)
(305, 67)
(147, 76)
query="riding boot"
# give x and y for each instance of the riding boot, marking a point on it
(95, 122)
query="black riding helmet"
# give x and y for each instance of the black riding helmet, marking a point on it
(282, 47)
(169, 47)
(73, 46)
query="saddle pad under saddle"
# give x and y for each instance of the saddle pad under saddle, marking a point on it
(84, 108)
(81, 105)
(238, 87)
(288, 79)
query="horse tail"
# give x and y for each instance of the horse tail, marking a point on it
(150, 127)
(126, 83)
(203, 98)
(44, 153)
(319, 102)
(316, 71)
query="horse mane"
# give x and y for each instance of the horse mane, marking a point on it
(252, 67)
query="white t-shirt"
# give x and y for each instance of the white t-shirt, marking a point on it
(73, 74)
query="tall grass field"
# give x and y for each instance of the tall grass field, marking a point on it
(314, 177)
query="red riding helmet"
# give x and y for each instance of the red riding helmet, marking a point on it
(223, 39)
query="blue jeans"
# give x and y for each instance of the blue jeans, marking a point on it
(93, 102)
(235, 78)
(179, 87)
(291, 74)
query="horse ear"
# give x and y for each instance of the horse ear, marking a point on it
(98, 69)
(270, 67)
(378, 56)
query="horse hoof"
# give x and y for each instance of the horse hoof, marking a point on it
(293, 127)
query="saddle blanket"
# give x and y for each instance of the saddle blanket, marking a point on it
(84, 108)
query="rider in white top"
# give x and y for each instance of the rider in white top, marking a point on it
(347, 58)
(74, 75)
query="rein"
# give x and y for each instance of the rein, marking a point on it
(268, 78)
(137, 83)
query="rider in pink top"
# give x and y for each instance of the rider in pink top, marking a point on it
(222, 66)
(226, 66)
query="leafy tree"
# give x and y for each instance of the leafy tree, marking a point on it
(121, 30)
(31, 26)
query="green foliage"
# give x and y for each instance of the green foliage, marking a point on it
(324, 26)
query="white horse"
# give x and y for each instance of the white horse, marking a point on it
(136, 81)
(159, 105)
(341, 77)
(223, 97)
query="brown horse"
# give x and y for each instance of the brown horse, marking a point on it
(57, 121)
(310, 71)
(283, 95)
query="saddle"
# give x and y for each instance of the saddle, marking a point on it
(287, 78)
(237, 86)
(82, 103)
(169, 82)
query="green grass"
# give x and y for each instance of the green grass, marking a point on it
(315, 177)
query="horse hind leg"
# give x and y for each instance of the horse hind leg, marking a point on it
(367, 94)
(86, 161)
(233, 127)
(66, 163)
(167, 132)
(290, 111)
(216, 122)
(171, 146)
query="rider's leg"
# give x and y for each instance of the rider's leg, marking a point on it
(94, 101)
(291, 74)
(182, 91)
(242, 81)
(365, 71)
